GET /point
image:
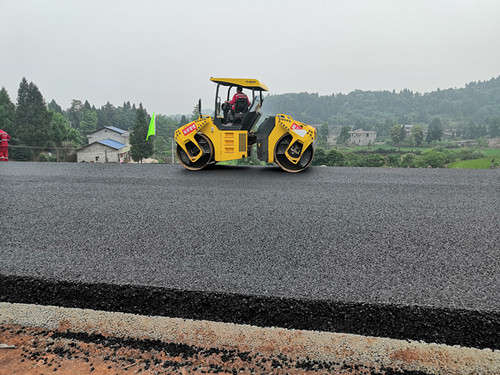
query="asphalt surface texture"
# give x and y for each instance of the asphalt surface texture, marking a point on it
(326, 249)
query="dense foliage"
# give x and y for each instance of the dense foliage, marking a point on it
(470, 112)
(438, 157)
(140, 148)
(38, 129)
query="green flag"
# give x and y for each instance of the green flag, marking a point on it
(152, 127)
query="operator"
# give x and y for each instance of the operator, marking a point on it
(239, 94)
(229, 115)
(4, 145)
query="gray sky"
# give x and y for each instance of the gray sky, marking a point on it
(163, 52)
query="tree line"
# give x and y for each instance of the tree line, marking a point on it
(437, 157)
(36, 127)
(467, 113)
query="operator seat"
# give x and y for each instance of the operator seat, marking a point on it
(240, 108)
(248, 119)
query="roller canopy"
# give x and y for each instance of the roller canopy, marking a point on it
(247, 83)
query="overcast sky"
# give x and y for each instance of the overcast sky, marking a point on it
(162, 52)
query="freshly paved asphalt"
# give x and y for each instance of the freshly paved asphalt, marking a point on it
(412, 237)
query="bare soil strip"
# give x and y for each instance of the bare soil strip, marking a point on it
(51, 339)
(465, 327)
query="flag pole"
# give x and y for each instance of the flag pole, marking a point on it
(154, 138)
(152, 131)
(173, 155)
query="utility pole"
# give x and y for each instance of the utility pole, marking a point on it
(173, 155)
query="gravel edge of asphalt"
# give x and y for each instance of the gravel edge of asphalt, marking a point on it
(370, 352)
(469, 328)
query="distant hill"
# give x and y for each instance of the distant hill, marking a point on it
(477, 103)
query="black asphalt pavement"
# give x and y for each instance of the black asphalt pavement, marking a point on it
(425, 238)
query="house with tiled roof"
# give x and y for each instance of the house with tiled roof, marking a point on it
(107, 145)
(362, 137)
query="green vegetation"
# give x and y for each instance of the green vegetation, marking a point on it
(37, 129)
(467, 113)
(472, 164)
(439, 119)
(437, 157)
(33, 122)
(140, 148)
(492, 153)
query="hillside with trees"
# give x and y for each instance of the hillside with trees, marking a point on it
(470, 112)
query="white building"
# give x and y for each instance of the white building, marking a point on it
(362, 137)
(109, 132)
(106, 145)
(407, 128)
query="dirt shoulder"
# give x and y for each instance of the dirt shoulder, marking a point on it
(74, 341)
(39, 351)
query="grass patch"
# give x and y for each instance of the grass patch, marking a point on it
(471, 164)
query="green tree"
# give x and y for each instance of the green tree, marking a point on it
(319, 157)
(352, 159)
(88, 121)
(183, 120)
(434, 131)
(62, 137)
(398, 134)
(473, 130)
(344, 135)
(196, 112)
(166, 126)
(482, 143)
(54, 107)
(335, 158)
(393, 160)
(108, 116)
(384, 128)
(75, 113)
(435, 158)
(32, 118)
(162, 148)
(323, 134)
(494, 127)
(374, 160)
(126, 116)
(139, 147)
(417, 133)
(408, 160)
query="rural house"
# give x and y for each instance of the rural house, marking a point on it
(106, 145)
(362, 137)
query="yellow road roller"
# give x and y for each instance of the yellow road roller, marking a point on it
(229, 134)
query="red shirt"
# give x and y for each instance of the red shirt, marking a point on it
(239, 95)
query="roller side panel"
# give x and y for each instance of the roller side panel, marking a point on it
(263, 133)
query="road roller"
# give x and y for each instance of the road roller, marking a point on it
(230, 133)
